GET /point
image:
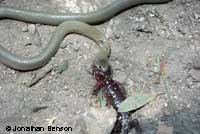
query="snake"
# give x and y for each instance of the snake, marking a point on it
(67, 23)
(95, 17)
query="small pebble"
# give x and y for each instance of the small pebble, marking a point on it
(23, 116)
(74, 46)
(164, 129)
(66, 88)
(87, 45)
(31, 28)
(196, 16)
(25, 28)
(188, 4)
(195, 74)
(188, 105)
(129, 83)
(99, 120)
(63, 45)
(165, 104)
(141, 19)
(63, 66)
(117, 36)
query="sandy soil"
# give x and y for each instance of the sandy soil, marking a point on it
(140, 36)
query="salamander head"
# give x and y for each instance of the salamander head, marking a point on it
(102, 71)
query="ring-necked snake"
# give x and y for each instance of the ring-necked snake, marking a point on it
(64, 28)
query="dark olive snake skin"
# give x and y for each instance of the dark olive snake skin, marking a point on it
(96, 17)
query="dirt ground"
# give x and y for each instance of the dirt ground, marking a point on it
(140, 37)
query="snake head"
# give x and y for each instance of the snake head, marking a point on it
(102, 57)
(101, 67)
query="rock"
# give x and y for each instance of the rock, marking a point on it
(196, 62)
(63, 45)
(80, 127)
(25, 28)
(99, 120)
(31, 28)
(195, 74)
(74, 46)
(164, 129)
(146, 28)
(63, 66)
(196, 16)
(117, 36)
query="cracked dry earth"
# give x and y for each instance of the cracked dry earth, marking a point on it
(140, 36)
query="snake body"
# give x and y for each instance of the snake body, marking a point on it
(71, 26)
(30, 63)
(95, 17)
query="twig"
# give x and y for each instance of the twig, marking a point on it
(38, 108)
